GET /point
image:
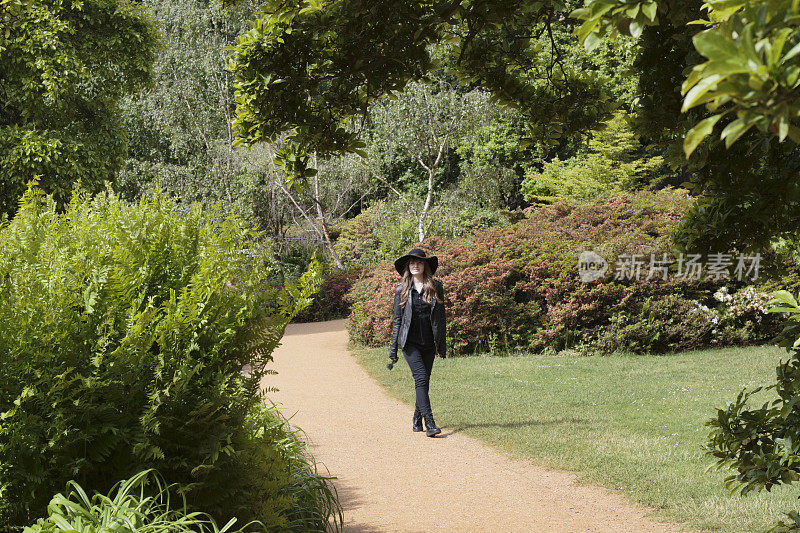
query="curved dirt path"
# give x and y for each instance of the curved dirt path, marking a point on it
(392, 479)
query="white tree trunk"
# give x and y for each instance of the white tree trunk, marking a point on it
(321, 217)
(421, 228)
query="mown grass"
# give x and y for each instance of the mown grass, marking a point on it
(631, 423)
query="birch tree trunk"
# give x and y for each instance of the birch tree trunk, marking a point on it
(323, 222)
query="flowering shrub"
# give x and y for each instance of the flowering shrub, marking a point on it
(518, 285)
(742, 317)
(370, 298)
(659, 324)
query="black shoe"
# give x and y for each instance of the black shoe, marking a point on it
(417, 421)
(431, 425)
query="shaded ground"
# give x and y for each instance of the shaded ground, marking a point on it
(392, 479)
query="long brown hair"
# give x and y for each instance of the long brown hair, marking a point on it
(428, 288)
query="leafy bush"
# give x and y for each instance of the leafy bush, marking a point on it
(125, 333)
(614, 161)
(329, 302)
(660, 324)
(518, 285)
(377, 233)
(763, 443)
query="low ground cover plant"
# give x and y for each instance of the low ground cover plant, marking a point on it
(517, 287)
(134, 337)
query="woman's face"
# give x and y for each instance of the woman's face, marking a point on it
(416, 266)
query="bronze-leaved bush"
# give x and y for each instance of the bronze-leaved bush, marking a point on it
(517, 286)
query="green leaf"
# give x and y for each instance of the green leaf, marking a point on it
(704, 85)
(698, 133)
(784, 297)
(791, 53)
(794, 133)
(650, 9)
(636, 28)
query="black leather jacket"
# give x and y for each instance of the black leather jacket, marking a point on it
(401, 321)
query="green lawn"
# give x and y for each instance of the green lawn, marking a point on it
(632, 423)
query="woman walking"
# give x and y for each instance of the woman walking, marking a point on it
(418, 327)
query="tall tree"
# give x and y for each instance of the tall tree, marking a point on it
(64, 66)
(180, 129)
(416, 131)
(181, 134)
(306, 66)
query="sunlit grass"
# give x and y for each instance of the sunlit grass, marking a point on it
(631, 423)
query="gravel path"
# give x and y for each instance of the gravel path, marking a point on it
(392, 479)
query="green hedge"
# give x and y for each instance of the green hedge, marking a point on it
(135, 336)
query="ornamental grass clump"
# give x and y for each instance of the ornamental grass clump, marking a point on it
(136, 336)
(131, 507)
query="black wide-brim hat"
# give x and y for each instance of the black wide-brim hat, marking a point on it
(400, 263)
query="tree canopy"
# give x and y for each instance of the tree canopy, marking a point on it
(306, 67)
(748, 194)
(310, 68)
(64, 65)
(751, 66)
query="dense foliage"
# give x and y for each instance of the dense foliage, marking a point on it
(763, 443)
(307, 67)
(748, 195)
(614, 161)
(135, 336)
(179, 128)
(64, 67)
(329, 301)
(751, 66)
(518, 287)
(180, 136)
(128, 507)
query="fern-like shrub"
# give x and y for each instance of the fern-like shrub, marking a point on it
(136, 336)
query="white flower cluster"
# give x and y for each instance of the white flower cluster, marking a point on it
(750, 299)
(743, 309)
(747, 300)
(722, 295)
(710, 314)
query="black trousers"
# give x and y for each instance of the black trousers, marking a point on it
(420, 361)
